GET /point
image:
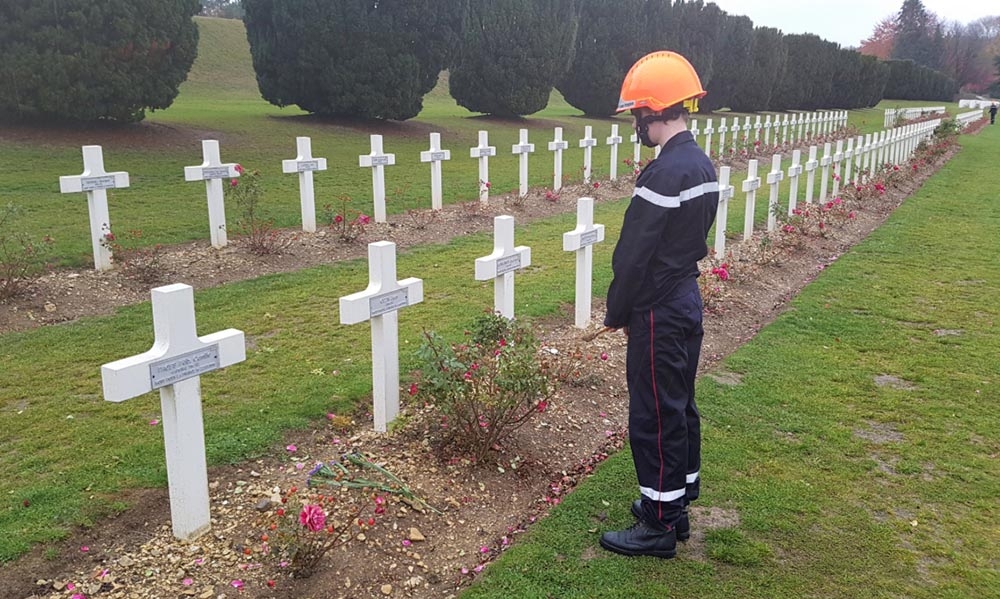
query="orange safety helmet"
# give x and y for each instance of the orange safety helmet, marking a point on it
(660, 80)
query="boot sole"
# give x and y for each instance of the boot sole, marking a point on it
(630, 553)
(681, 536)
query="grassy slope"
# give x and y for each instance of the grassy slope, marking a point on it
(220, 100)
(824, 511)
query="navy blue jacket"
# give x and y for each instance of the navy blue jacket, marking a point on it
(663, 236)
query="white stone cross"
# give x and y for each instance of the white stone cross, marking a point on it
(746, 129)
(883, 143)
(869, 147)
(859, 150)
(581, 240)
(377, 160)
(174, 365)
(709, 130)
(482, 152)
(695, 131)
(304, 164)
(767, 130)
(824, 162)
(435, 155)
(95, 181)
(380, 303)
(794, 170)
(848, 160)
(614, 140)
(838, 157)
(722, 134)
(522, 148)
(811, 165)
(894, 146)
(750, 186)
(501, 264)
(212, 171)
(736, 135)
(557, 146)
(636, 148)
(756, 128)
(587, 143)
(721, 216)
(784, 130)
(801, 122)
(774, 179)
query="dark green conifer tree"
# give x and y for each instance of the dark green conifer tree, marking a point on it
(84, 61)
(362, 58)
(733, 64)
(512, 54)
(914, 34)
(766, 70)
(808, 78)
(697, 28)
(604, 54)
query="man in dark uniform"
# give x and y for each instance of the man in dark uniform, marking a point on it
(993, 113)
(654, 298)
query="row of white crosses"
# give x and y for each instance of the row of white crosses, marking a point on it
(862, 155)
(179, 357)
(968, 117)
(891, 114)
(95, 180)
(793, 128)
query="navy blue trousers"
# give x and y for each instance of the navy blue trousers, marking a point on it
(664, 344)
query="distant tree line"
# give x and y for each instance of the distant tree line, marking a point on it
(378, 58)
(965, 53)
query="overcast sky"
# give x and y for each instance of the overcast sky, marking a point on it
(846, 22)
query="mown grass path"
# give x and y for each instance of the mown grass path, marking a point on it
(859, 454)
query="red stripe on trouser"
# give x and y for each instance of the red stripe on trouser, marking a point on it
(656, 399)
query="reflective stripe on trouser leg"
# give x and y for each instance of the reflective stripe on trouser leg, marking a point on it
(664, 430)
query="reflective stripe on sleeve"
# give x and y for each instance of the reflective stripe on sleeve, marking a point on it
(675, 201)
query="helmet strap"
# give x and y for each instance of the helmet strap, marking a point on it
(642, 128)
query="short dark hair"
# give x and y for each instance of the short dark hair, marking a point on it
(677, 111)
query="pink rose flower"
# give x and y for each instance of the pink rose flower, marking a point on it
(312, 517)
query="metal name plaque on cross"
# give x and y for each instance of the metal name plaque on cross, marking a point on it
(485, 152)
(215, 172)
(588, 238)
(389, 302)
(380, 161)
(439, 155)
(508, 264)
(92, 183)
(184, 366)
(307, 165)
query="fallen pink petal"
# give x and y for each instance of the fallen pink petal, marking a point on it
(292, 448)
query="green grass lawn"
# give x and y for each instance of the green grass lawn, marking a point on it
(65, 454)
(843, 488)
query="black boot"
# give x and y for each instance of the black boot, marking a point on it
(642, 539)
(682, 525)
